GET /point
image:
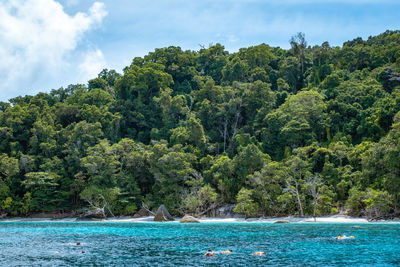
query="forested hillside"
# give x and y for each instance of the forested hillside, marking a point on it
(299, 131)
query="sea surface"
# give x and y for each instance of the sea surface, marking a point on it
(174, 244)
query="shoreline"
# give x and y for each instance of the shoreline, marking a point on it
(149, 219)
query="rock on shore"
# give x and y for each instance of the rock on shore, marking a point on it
(189, 219)
(282, 221)
(163, 215)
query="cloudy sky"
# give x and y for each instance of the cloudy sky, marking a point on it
(46, 44)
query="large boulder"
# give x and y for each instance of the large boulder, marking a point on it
(142, 213)
(162, 215)
(93, 214)
(189, 219)
(282, 221)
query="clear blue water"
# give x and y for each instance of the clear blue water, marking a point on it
(173, 244)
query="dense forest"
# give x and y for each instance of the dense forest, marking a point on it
(300, 131)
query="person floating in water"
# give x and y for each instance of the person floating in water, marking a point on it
(209, 253)
(340, 236)
(226, 251)
(259, 253)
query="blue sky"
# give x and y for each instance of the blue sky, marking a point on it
(46, 44)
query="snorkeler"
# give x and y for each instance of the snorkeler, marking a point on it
(339, 237)
(209, 253)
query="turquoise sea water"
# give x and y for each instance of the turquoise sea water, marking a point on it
(173, 244)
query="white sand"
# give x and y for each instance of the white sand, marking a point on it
(325, 219)
(341, 219)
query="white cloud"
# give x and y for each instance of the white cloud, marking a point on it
(35, 38)
(92, 64)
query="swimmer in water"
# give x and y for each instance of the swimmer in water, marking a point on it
(259, 253)
(340, 236)
(209, 253)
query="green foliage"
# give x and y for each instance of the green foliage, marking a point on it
(298, 122)
(355, 202)
(195, 130)
(173, 171)
(222, 176)
(98, 83)
(101, 198)
(268, 184)
(325, 200)
(377, 202)
(8, 167)
(26, 204)
(43, 186)
(130, 209)
(245, 204)
(199, 200)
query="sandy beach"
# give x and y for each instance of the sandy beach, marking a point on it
(290, 219)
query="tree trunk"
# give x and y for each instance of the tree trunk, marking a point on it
(315, 208)
(149, 211)
(225, 132)
(302, 63)
(207, 210)
(299, 201)
(235, 127)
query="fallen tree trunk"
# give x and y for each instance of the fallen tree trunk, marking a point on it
(149, 211)
(207, 210)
